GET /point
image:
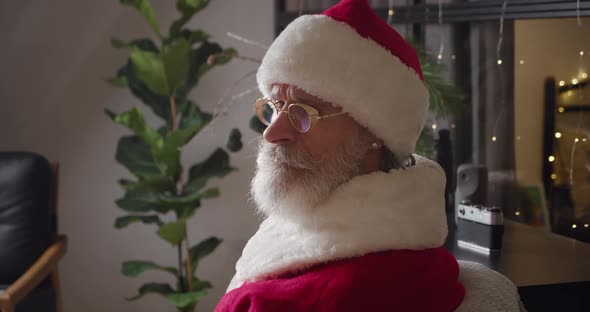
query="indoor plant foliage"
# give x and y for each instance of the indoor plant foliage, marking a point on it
(161, 75)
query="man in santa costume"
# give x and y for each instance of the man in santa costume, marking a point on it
(354, 221)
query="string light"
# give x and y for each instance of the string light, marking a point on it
(440, 56)
(494, 138)
(584, 140)
(584, 75)
(574, 81)
(574, 226)
(499, 62)
(569, 93)
(586, 225)
(517, 213)
(521, 62)
(551, 158)
(562, 83)
(433, 126)
(553, 176)
(581, 53)
(561, 109)
(557, 135)
(576, 140)
(391, 12)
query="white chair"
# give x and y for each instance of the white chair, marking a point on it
(487, 290)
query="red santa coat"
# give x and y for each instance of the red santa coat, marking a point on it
(374, 245)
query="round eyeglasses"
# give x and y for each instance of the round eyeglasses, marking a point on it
(302, 116)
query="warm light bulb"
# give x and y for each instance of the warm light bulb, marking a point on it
(553, 176)
(584, 140)
(557, 135)
(440, 56)
(391, 12)
(581, 52)
(517, 213)
(569, 93)
(521, 62)
(518, 138)
(494, 138)
(586, 225)
(562, 83)
(499, 62)
(574, 81)
(576, 140)
(574, 226)
(453, 56)
(584, 75)
(551, 158)
(433, 126)
(561, 109)
(453, 126)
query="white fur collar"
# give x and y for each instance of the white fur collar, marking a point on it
(403, 209)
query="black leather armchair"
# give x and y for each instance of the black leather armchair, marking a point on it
(29, 245)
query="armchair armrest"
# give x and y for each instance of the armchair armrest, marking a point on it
(34, 275)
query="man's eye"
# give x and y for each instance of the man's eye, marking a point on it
(279, 104)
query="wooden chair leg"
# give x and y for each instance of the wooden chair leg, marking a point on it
(56, 284)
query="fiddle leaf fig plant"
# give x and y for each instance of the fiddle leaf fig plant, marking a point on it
(161, 194)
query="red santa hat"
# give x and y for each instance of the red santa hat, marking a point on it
(350, 57)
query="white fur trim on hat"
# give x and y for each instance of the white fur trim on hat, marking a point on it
(403, 209)
(330, 60)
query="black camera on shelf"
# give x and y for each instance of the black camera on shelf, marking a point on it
(479, 228)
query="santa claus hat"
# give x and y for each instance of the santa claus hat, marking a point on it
(350, 57)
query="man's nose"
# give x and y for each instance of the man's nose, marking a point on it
(280, 130)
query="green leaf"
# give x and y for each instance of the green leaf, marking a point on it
(187, 199)
(136, 267)
(217, 165)
(193, 116)
(136, 156)
(157, 183)
(141, 200)
(119, 81)
(183, 300)
(133, 119)
(155, 288)
(187, 8)
(163, 73)
(124, 221)
(159, 104)
(234, 142)
(173, 232)
(257, 125)
(144, 44)
(224, 57)
(194, 36)
(203, 249)
(145, 8)
(198, 65)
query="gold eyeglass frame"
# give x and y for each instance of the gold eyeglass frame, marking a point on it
(314, 115)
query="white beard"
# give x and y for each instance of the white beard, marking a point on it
(290, 183)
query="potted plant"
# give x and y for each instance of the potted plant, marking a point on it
(161, 74)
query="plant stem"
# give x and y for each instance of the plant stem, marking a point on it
(173, 111)
(189, 275)
(180, 277)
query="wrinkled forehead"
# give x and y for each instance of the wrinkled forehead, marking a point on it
(294, 94)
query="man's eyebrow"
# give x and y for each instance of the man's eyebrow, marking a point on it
(309, 100)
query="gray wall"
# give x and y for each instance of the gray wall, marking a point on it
(53, 59)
